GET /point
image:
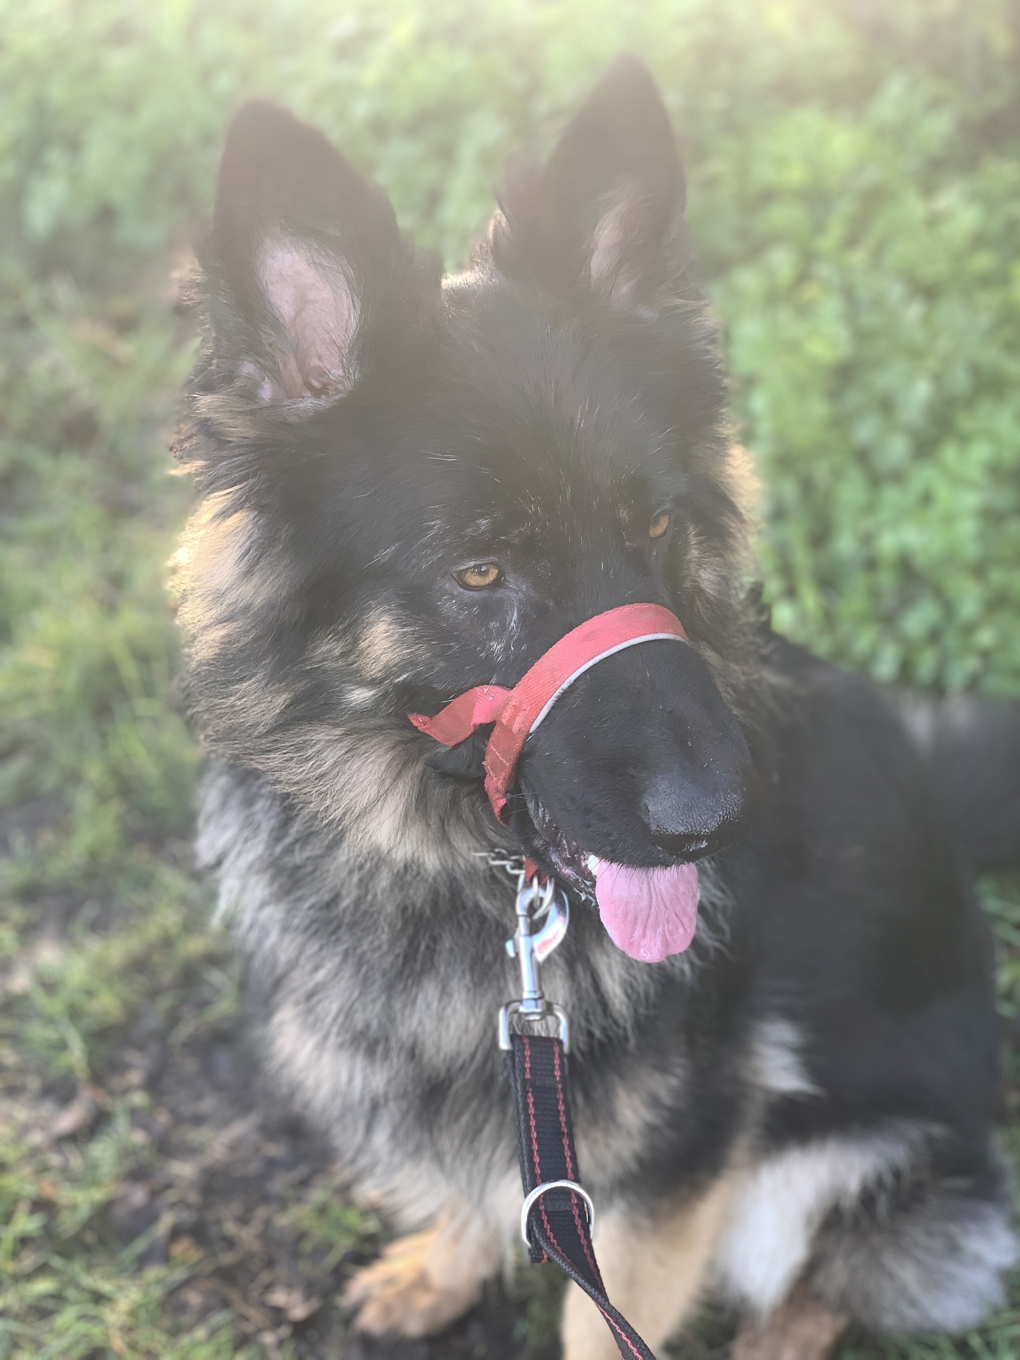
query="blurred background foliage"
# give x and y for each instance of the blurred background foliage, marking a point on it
(855, 196)
(855, 199)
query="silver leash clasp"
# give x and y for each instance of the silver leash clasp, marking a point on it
(543, 915)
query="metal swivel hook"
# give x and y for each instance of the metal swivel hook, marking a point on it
(543, 916)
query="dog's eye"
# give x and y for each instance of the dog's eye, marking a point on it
(659, 524)
(481, 575)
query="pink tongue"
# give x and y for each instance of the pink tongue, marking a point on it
(648, 912)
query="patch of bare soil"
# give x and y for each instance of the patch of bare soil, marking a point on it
(248, 1190)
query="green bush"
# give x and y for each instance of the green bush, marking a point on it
(854, 188)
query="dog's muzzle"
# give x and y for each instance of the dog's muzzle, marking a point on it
(519, 711)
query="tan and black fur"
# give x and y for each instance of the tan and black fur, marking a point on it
(793, 1114)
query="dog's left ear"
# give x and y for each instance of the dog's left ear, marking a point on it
(605, 216)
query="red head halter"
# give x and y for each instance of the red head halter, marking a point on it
(517, 712)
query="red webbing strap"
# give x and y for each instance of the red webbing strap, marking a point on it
(474, 708)
(558, 1222)
(518, 711)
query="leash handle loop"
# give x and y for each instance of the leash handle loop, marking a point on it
(555, 1223)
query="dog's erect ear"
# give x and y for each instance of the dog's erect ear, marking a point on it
(605, 216)
(304, 258)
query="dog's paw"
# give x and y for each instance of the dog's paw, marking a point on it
(400, 1295)
(802, 1329)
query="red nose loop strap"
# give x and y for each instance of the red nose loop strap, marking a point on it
(517, 712)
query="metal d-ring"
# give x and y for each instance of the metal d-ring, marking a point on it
(540, 1190)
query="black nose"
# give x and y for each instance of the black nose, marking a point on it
(692, 813)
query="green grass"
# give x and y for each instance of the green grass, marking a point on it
(100, 921)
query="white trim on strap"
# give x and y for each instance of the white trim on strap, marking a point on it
(594, 661)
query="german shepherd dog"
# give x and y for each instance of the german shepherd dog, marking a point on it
(410, 485)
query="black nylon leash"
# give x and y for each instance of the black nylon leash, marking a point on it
(556, 1226)
(557, 1217)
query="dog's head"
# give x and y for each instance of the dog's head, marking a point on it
(416, 487)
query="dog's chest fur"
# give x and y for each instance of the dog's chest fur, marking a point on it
(385, 1031)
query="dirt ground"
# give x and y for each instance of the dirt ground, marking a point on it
(259, 1161)
(244, 1198)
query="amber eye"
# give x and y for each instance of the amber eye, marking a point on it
(479, 576)
(659, 524)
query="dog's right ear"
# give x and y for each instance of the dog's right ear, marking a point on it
(305, 261)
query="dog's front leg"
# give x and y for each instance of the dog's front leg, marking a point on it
(802, 1329)
(424, 1280)
(653, 1270)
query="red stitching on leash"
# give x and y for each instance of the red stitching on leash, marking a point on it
(569, 1161)
(564, 1133)
(548, 1229)
(582, 1234)
(518, 711)
(534, 1134)
(531, 1108)
(613, 1323)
